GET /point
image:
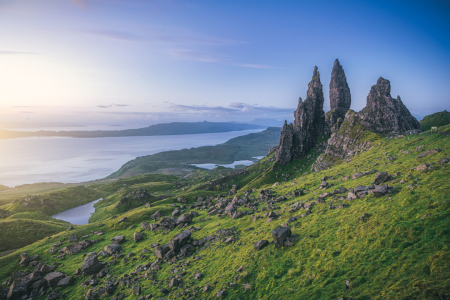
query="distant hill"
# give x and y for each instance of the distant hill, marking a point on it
(244, 147)
(174, 128)
(441, 118)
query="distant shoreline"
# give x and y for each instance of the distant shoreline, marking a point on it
(175, 128)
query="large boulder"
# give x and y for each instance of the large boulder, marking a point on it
(179, 240)
(112, 249)
(66, 281)
(261, 244)
(53, 278)
(380, 190)
(380, 177)
(72, 248)
(91, 265)
(138, 237)
(145, 225)
(185, 219)
(280, 234)
(161, 251)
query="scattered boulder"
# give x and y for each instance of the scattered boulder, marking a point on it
(351, 196)
(364, 217)
(72, 248)
(184, 219)
(280, 234)
(66, 281)
(380, 190)
(357, 175)
(380, 177)
(53, 278)
(145, 225)
(122, 220)
(138, 237)
(112, 249)
(161, 251)
(197, 276)
(261, 244)
(91, 265)
(179, 240)
(136, 290)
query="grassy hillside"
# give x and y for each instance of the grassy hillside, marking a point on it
(399, 250)
(24, 228)
(54, 202)
(244, 147)
(437, 119)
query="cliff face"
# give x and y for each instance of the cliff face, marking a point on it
(340, 97)
(384, 114)
(309, 122)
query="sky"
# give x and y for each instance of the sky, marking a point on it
(142, 62)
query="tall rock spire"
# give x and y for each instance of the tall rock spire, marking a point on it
(309, 122)
(340, 97)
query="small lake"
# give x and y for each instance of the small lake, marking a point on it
(232, 165)
(79, 215)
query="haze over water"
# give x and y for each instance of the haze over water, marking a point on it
(71, 160)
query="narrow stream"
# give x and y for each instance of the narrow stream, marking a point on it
(79, 215)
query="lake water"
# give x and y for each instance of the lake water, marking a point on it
(232, 165)
(79, 215)
(71, 160)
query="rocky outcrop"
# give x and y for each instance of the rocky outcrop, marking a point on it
(384, 114)
(340, 97)
(351, 139)
(309, 123)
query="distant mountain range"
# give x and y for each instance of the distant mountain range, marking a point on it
(174, 128)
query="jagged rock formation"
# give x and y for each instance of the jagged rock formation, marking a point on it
(351, 139)
(385, 114)
(309, 123)
(340, 97)
(382, 114)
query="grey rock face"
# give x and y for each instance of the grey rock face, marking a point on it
(280, 234)
(384, 114)
(53, 278)
(18, 289)
(138, 237)
(261, 244)
(340, 97)
(161, 251)
(179, 240)
(112, 249)
(91, 265)
(309, 122)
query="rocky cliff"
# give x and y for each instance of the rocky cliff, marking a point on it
(384, 114)
(309, 123)
(340, 97)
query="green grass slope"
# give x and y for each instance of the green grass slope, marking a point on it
(437, 119)
(54, 202)
(399, 251)
(25, 228)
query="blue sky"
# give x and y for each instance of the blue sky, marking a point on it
(153, 61)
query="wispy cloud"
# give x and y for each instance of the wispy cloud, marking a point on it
(211, 57)
(112, 105)
(114, 35)
(236, 108)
